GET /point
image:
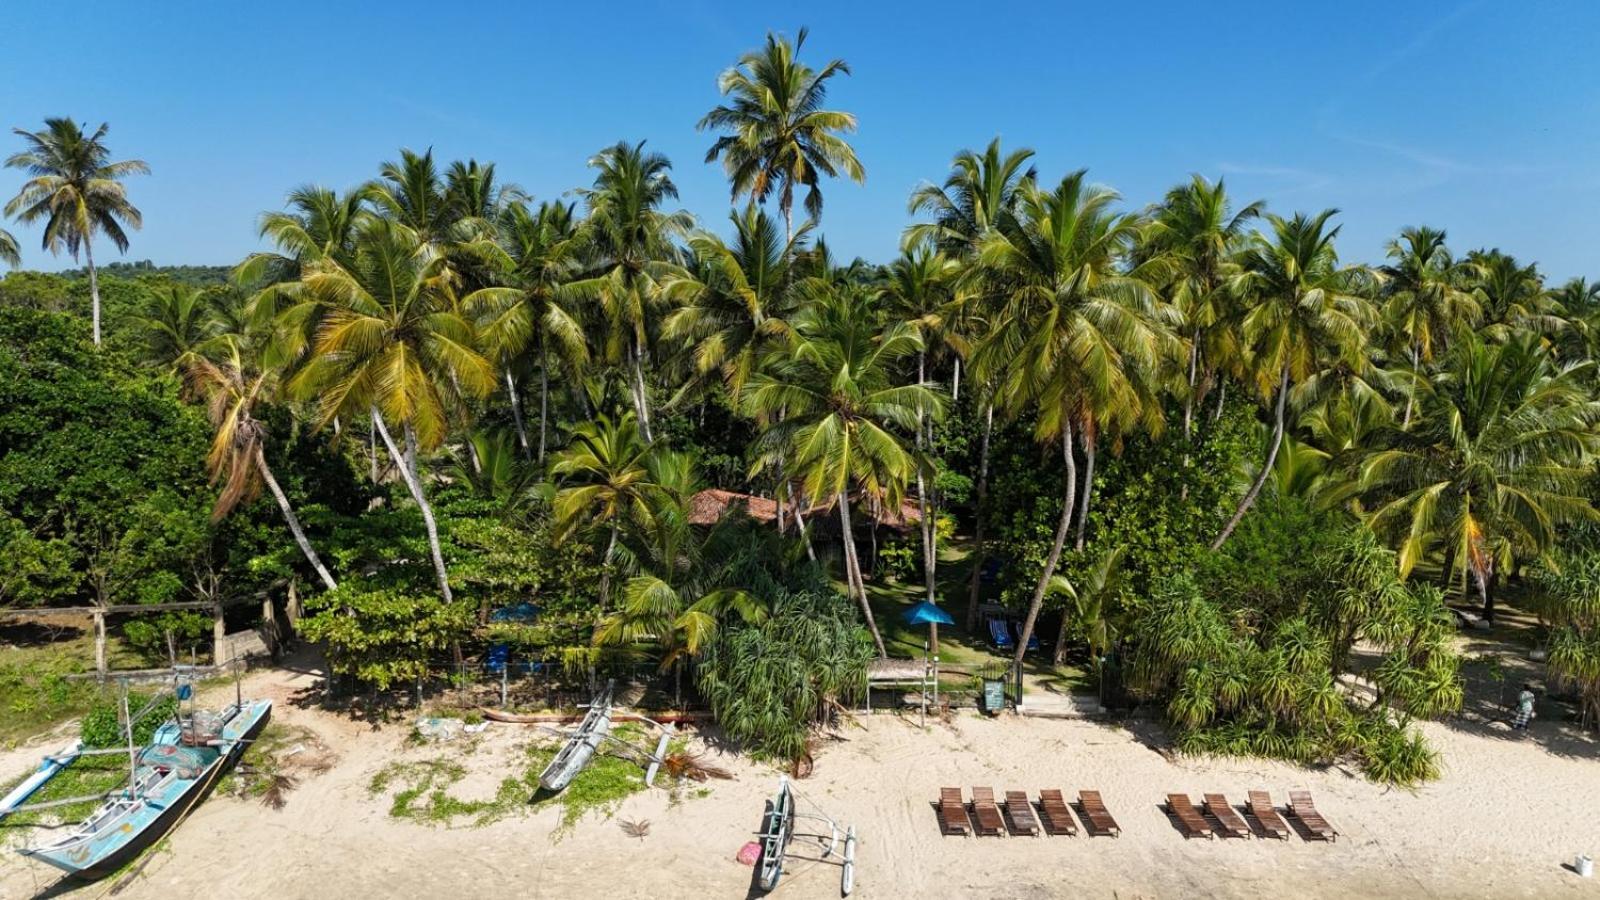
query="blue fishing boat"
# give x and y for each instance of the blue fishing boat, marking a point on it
(168, 777)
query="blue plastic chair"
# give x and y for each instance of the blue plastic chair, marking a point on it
(1033, 639)
(1000, 636)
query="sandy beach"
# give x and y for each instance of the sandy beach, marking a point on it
(1501, 822)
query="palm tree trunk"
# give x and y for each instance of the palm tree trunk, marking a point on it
(955, 383)
(930, 554)
(978, 555)
(414, 484)
(641, 404)
(605, 570)
(1222, 395)
(1411, 390)
(1088, 440)
(1484, 593)
(1249, 497)
(1059, 654)
(800, 525)
(1188, 401)
(293, 520)
(1062, 527)
(94, 288)
(544, 400)
(516, 413)
(853, 565)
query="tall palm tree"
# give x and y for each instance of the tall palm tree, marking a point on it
(1496, 463)
(234, 383)
(10, 253)
(608, 483)
(778, 134)
(1302, 314)
(76, 189)
(179, 322)
(1512, 296)
(737, 301)
(1077, 333)
(918, 291)
(981, 190)
(540, 254)
(1197, 234)
(845, 417)
(393, 341)
(631, 237)
(1426, 304)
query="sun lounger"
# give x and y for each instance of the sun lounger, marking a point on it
(1020, 811)
(1189, 819)
(1266, 815)
(1016, 634)
(986, 814)
(1233, 824)
(1300, 807)
(1000, 635)
(1096, 816)
(952, 813)
(1057, 817)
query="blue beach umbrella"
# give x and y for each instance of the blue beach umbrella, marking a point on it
(927, 612)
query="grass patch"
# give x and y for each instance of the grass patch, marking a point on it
(421, 789)
(35, 693)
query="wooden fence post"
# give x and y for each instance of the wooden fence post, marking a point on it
(100, 642)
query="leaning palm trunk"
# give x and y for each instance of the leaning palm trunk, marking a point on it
(605, 571)
(1249, 497)
(640, 401)
(94, 289)
(1062, 527)
(978, 557)
(293, 520)
(852, 566)
(1411, 389)
(1086, 436)
(408, 472)
(516, 412)
(544, 401)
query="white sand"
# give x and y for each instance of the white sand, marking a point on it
(1500, 823)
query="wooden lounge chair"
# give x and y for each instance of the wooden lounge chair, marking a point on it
(1300, 807)
(1189, 819)
(985, 814)
(1233, 824)
(1096, 816)
(952, 812)
(1057, 817)
(1272, 824)
(1020, 811)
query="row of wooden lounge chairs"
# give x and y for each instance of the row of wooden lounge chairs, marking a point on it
(983, 814)
(987, 817)
(1230, 824)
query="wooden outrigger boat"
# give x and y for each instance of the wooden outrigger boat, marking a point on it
(167, 778)
(778, 831)
(581, 745)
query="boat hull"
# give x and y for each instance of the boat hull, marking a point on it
(102, 854)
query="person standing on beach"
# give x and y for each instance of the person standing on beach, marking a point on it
(1524, 708)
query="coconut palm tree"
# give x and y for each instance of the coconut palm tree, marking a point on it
(1076, 334)
(919, 293)
(1512, 296)
(845, 420)
(980, 191)
(76, 189)
(778, 136)
(539, 253)
(1426, 304)
(608, 483)
(1302, 313)
(10, 253)
(736, 302)
(393, 342)
(233, 383)
(1197, 235)
(1495, 464)
(179, 322)
(631, 237)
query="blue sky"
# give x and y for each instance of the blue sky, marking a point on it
(1479, 117)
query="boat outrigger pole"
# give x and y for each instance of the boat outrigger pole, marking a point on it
(590, 735)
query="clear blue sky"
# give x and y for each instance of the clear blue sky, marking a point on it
(1479, 117)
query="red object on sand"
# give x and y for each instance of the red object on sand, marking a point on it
(749, 853)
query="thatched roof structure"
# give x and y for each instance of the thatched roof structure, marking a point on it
(710, 505)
